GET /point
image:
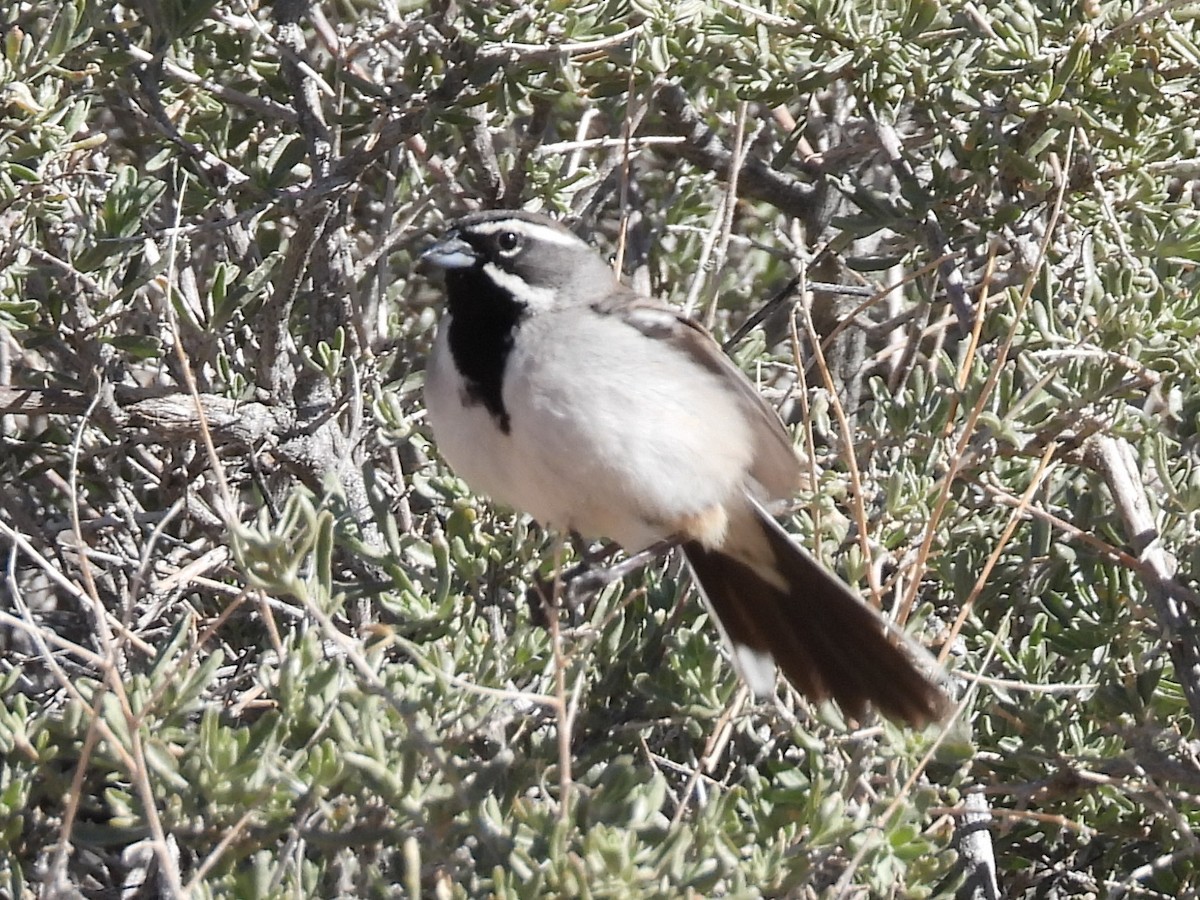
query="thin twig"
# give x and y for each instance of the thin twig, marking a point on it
(1022, 814)
(993, 378)
(1045, 467)
(935, 235)
(1028, 687)
(703, 263)
(879, 829)
(627, 127)
(260, 104)
(716, 739)
(562, 710)
(806, 424)
(413, 651)
(1102, 547)
(859, 501)
(514, 52)
(1143, 15)
(604, 143)
(728, 208)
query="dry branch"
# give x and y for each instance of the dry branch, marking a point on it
(978, 854)
(935, 234)
(703, 148)
(1173, 603)
(167, 417)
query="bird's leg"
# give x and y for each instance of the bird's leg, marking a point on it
(545, 593)
(587, 578)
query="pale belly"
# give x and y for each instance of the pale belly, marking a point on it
(610, 434)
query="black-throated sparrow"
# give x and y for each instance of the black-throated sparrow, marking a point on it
(557, 391)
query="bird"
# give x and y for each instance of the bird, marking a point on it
(555, 390)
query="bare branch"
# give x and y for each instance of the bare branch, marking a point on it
(513, 52)
(975, 845)
(1114, 459)
(262, 105)
(703, 148)
(168, 417)
(935, 235)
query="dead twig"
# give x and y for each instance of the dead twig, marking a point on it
(703, 148)
(975, 846)
(1113, 458)
(935, 235)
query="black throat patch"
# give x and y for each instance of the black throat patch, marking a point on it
(484, 318)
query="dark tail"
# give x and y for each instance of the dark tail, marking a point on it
(778, 602)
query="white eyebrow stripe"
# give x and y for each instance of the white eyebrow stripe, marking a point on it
(531, 229)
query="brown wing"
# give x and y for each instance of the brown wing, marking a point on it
(775, 465)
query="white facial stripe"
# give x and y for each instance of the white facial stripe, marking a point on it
(532, 230)
(538, 299)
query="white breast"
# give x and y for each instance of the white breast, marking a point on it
(613, 433)
(466, 433)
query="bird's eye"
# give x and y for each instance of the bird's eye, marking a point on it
(508, 241)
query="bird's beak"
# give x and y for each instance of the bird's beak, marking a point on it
(451, 252)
